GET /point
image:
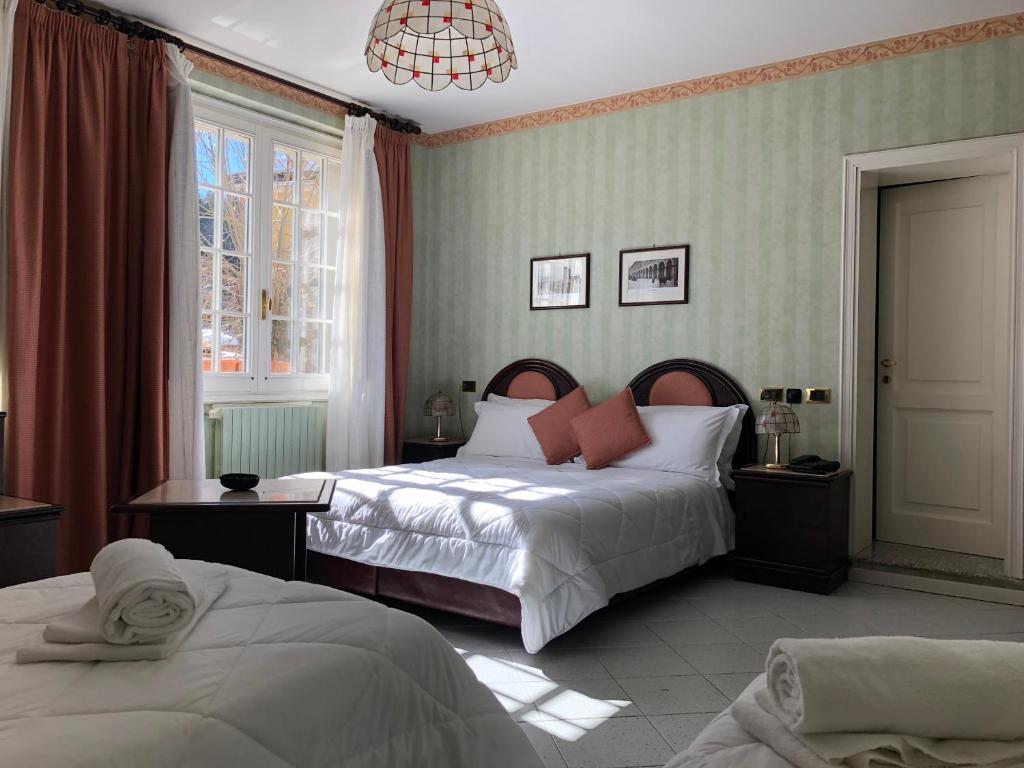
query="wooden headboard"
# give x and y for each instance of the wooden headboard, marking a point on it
(532, 378)
(691, 382)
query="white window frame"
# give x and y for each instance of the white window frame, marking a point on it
(259, 385)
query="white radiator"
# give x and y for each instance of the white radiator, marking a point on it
(269, 440)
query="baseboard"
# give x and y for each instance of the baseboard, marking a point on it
(939, 586)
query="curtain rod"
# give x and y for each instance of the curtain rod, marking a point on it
(131, 28)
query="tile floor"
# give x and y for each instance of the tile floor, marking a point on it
(634, 684)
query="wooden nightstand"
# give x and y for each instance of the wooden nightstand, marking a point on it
(792, 529)
(28, 540)
(416, 450)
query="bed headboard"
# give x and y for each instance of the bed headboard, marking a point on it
(531, 378)
(691, 382)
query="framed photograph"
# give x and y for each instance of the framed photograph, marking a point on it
(560, 282)
(656, 275)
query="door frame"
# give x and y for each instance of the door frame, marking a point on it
(863, 174)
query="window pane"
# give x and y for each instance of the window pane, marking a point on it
(310, 244)
(327, 348)
(280, 347)
(312, 174)
(328, 294)
(282, 232)
(206, 154)
(309, 293)
(284, 175)
(281, 287)
(232, 345)
(309, 348)
(236, 162)
(206, 279)
(333, 185)
(235, 230)
(332, 240)
(232, 283)
(207, 216)
(206, 337)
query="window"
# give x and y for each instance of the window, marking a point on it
(269, 235)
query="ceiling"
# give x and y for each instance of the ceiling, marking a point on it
(569, 50)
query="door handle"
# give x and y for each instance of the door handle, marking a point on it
(887, 363)
(266, 304)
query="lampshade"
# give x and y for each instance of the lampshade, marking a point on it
(437, 42)
(439, 404)
(777, 419)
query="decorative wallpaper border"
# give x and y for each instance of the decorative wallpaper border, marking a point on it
(895, 47)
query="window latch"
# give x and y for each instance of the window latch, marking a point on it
(266, 304)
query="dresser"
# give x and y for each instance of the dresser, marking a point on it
(28, 540)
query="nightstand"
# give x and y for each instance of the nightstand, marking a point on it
(28, 540)
(416, 450)
(792, 529)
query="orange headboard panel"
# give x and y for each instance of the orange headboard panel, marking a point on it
(679, 388)
(531, 379)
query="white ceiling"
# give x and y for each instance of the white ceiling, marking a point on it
(568, 50)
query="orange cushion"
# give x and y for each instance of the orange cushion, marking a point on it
(553, 426)
(610, 430)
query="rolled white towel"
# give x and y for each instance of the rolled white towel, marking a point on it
(942, 689)
(141, 595)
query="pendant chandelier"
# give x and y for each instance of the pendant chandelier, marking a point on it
(438, 42)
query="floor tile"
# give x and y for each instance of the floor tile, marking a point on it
(493, 666)
(800, 604)
(903, 624)
(674, 695)
(586, 699)
(764, 628)
(738, 608)
(574, 664)
(680, 730)
(619, 743)
(723, 658)
(733, 684)
(487, 638)
(544, 743)
(834, 626)
(691, 632)
(606, 635)
(628, 662)
(656, 610)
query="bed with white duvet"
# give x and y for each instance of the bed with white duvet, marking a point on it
(561, 538)
(275, 675)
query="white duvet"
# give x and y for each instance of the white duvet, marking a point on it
(563, 539)
(276, 675)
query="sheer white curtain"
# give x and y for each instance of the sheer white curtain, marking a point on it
(186, 446)
(355, 404)
(7, 9)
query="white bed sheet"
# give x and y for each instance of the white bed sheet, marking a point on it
(563, 539)
(276, 675)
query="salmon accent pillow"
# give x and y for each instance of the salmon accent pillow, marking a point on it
(610, 430)
(553, 426)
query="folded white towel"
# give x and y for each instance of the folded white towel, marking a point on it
(942, 689)
(79, 636)
(752, 711)
(141, 594)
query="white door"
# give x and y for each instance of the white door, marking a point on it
(943, 441)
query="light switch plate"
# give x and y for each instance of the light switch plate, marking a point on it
(469, 386)
(818, 394)
(772, 393)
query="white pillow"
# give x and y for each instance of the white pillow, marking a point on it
(503, 430)
(688, 439)
(732, 442)
(502, 400)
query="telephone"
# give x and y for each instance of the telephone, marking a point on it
(812, 465)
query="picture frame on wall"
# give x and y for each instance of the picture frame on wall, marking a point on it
(560, 282)
(654, 275)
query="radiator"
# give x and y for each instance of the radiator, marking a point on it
(269, 440)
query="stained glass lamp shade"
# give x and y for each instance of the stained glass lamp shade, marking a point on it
(439, 42)
(438, 405)
(777, 420)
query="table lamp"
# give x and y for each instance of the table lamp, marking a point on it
(777, 420)
(438, 405)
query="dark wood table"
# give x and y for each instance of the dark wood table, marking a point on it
(28, 540)
(262, 530)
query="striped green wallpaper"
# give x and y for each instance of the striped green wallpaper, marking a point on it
(751, 179)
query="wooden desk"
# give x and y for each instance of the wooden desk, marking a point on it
(262, 530)
(28, 540)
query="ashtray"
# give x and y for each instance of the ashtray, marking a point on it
(239, 481)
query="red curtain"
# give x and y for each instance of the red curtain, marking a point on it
(392, 152)
(87, 316)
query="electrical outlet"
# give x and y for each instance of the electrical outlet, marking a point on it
(771, 393)
(794, 396)
(819, 394)
(469, 386)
